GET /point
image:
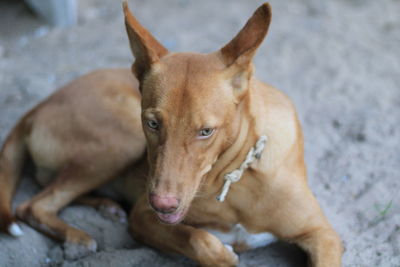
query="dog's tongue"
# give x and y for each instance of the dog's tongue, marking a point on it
(170, 218)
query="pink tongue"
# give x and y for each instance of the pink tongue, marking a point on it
(170, 218)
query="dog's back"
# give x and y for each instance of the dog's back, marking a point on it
(103, 105)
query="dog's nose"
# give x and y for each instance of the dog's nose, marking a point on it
(164, 204)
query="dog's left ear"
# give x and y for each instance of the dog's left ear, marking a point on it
(237, 55)
(146, 49)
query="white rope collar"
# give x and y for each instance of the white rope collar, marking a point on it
(234, 176)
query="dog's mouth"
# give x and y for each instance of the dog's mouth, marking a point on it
(172, 218)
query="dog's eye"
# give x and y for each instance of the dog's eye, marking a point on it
(205, 133)
(153, 124)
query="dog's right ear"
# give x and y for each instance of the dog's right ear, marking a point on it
(146, 49)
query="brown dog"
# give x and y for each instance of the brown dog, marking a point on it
(225, 154)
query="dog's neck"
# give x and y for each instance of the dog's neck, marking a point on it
(235, 176)
(237, 148)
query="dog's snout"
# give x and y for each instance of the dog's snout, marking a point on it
(164, 204)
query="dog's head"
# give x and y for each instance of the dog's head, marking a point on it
(190, 108)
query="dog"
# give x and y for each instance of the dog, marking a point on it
(210, 157)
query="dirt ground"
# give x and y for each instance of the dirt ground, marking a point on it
(338, 60)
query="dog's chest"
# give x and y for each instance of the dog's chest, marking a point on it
(240, 236)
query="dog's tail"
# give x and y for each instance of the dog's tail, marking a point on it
(12, 157)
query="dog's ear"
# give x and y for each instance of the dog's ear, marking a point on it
(238, 53)
(241, 49)
(146, 49)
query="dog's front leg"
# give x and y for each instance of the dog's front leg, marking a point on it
(323, 246)
(192, 242)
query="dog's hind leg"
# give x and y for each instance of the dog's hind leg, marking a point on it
(70, 183)
(12, 158)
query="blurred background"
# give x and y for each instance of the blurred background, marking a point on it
(338, 60)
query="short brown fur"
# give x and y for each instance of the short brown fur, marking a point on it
(90, 132)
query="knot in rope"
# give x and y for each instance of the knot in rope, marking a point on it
(234, 176)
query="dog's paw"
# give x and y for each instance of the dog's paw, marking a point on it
(114, 213)
(78, 246)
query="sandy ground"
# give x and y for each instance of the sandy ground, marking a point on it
(338, 60)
